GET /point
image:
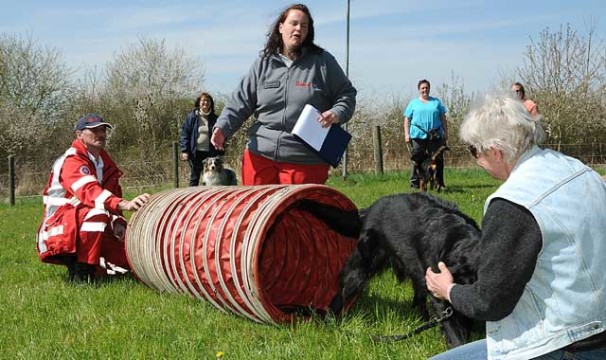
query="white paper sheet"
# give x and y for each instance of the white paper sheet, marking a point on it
(308, 127)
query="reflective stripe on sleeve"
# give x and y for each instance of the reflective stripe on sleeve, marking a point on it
(54, 201)
(74, 201)
(83, 181)
(100, 200)
(94, 212)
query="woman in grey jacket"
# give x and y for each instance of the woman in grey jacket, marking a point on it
(290, 72)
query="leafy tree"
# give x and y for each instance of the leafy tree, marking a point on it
(35, 91)
(565, 73)
(33, 79)
(146, 85)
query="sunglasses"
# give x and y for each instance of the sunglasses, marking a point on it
(473, 150)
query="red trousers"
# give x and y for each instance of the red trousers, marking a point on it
(257, 170)
(84, 232)
(98, 241)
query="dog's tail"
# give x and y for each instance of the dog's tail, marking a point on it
(438, 152)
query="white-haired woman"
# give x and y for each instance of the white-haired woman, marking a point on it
(541, 281)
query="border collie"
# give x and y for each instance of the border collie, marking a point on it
(215, 173)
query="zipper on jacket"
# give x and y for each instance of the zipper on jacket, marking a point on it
(276, 154)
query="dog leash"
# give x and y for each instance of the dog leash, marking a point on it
(428, 325)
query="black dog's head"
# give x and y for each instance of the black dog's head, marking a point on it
(214, 164)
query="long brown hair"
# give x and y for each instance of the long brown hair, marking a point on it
(274, 38)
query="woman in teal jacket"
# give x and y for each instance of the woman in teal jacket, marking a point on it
(426, 130)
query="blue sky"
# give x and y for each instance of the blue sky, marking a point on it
(393, 43)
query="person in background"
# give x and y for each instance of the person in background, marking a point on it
(541, 281)
(518, 89)
(425, 128)
(195, 136)
(290, 72)
(83, 227)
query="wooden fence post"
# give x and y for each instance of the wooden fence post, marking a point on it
(176, 163)
(11, 180)
(378, 150)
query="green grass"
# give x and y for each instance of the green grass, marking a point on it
(44, 317)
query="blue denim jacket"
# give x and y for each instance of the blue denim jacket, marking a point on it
(564, 301)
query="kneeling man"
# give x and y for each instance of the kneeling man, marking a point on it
(83, 227)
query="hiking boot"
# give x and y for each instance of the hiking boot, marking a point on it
(71, 271)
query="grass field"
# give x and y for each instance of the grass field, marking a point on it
(44, 317)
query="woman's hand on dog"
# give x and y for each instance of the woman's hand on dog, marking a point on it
(439, 284)
(218, 139)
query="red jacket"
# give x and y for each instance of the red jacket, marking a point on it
(73, 184)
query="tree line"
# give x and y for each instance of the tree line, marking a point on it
(147, 90)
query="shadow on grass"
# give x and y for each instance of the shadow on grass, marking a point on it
(401, 318)
(477, 186)
(464, 189)
(377, 307)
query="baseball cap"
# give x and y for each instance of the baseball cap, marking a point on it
(90, 121)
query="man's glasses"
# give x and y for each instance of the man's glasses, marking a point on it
(473, 150)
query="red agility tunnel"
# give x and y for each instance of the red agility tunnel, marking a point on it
(249, 250)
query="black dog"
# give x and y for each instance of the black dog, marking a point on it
(409, 233)
(425, 169)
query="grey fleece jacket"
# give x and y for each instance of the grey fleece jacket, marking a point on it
(276, 94)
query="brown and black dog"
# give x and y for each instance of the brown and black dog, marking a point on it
(426, 170)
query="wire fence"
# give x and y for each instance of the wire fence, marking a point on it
(29, 176)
